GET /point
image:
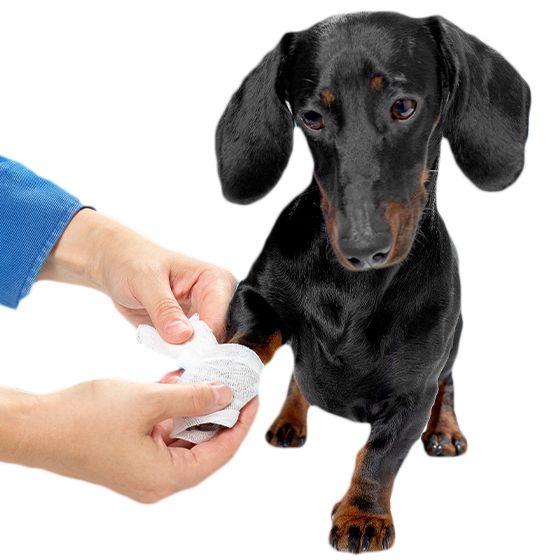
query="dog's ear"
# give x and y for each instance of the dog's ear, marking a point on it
(486, 115)
(255, 134)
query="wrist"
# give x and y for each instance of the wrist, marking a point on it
(76, 257)
(17, 410)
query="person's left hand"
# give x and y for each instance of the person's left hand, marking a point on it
(116, 433)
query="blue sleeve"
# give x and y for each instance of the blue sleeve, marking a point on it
(33, 214)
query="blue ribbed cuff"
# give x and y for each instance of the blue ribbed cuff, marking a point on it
(45, 251)
(33, 215)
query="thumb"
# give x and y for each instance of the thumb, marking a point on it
(193, 399)
(164, 311)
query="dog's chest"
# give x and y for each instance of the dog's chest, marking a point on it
(339, 373)
(355, 354)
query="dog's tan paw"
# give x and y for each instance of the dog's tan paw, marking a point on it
(357, 531)
(444, 444)
(287, 432)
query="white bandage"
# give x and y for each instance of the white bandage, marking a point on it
(203, 359)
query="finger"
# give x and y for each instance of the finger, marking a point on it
(167, 316)
(213, 304)
(193, 399)
(171, 377)
(209, 456)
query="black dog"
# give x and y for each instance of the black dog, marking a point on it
(359, 274)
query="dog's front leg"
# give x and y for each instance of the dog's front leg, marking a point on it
(253, 322)
(362, 520)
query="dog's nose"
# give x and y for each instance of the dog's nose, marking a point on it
(366, 254)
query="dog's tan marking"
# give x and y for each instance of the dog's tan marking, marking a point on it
(264, 350)
(327, 96)
(376, 82)
(332, 228)
(403, 218)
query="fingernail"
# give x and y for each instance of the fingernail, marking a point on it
(222, 393)
(177, 328)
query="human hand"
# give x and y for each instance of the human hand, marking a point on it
(116, 433)
(147, 283)
(151, 285)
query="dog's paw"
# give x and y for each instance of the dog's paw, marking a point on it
(356, 531)
(442, 444)
(286, 433)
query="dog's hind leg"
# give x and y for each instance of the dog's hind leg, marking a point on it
(443, 437)
(290, 427)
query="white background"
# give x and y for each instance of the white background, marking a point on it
(117, 102)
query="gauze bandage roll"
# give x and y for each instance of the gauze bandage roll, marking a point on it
(203, 359)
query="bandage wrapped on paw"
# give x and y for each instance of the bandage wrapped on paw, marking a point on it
(203, 359)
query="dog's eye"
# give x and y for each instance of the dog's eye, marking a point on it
(403, 109)
(313, 120)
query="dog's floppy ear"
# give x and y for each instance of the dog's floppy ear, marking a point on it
(487, 111)
(255, 134)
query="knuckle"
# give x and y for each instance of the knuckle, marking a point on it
(217, 275)
(166, 306)
(227, 277)
(200, 397)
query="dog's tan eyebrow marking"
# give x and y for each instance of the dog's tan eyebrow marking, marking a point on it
(376, 82)
(327, 96)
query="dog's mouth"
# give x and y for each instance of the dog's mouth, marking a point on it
(389, 248)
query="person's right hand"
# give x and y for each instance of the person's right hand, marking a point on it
(147, 283)
(116, 433)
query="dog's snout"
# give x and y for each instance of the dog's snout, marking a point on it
(364, 254)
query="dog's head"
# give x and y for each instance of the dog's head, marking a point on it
(374, 94)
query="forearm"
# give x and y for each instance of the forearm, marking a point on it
(76, 257)
(32, 430)
(16, 410)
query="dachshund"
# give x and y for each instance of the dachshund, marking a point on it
(359, 274)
